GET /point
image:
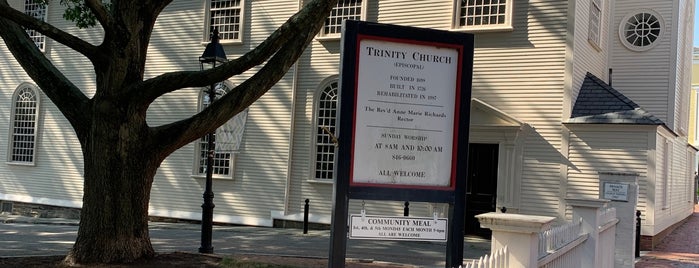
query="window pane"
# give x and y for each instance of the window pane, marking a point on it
(480, 12)
(326, 122)
(345, 10)
(641, 30)
(595, 22)
(227, 138)
(38, 11)
(24, 125)
(225, 15)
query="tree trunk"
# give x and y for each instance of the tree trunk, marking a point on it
(119, 171)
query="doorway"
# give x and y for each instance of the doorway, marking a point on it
(481, 187)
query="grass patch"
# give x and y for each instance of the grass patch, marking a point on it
(233, 263)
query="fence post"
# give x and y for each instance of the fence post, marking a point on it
(637, 249)
(305, 216)
(587, 211)
(520, 233)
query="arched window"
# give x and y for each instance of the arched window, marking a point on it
(227, 139)
(24, 125)
(325, 118)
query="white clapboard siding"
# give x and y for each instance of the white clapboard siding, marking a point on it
(586, 57)
(637, 75)
(56, 176)
(261, 167)
(176, 44)
(595, 150)
(532, 73)
(678, 206)
(257, 186)
(682, 67)
(520, 72)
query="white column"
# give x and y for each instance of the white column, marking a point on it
(587, 210)
(520, 233)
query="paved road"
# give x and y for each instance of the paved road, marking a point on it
(24, 239)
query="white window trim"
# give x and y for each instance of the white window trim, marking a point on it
(505, 27)
(314, 150)
(207, 20)
(326, 37)
(10, 146)
(595, 41)
(38, 34)
(696, 115)
(230, 176)
(197, 159)
(690, 173)
(666, 173)
(622, 28)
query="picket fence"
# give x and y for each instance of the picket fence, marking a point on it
(498, 259)
(525, 241)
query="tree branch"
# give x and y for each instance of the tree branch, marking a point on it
(302, 27)
(155, 87)
(88, 50)
(101, 13)
(65, 95)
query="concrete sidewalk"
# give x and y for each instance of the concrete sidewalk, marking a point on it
(24, 236)
(680, 249)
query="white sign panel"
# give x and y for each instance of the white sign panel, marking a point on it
(616, 191)
(405, 113)
(398, 228)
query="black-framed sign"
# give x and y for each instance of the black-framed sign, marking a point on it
(404, 123)
(404, 112)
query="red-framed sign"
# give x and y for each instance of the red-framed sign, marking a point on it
(406, 113)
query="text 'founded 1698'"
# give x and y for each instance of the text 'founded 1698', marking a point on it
(405, 113)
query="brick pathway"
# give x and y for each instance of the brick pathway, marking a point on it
(680, 249)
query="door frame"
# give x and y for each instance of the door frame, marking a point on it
(491, 125)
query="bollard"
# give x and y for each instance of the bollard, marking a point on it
(406, 209)
(305, 217)
(638, 234)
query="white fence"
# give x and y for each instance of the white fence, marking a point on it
(587, 241)
(497, 259)
(558, 246)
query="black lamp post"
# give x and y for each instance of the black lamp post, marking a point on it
(213, 54)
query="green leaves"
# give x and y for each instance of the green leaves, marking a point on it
(78, 12)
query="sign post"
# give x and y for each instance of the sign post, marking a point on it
(404, 117)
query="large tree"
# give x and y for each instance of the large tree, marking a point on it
(121, 151)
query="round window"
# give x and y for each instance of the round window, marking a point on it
(640, 31)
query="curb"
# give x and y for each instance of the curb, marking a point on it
(31, 220)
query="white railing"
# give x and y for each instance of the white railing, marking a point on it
(498, 259)
(557, 237)
(587, 241)
(559, 246)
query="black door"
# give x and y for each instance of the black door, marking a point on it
(481, 187)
